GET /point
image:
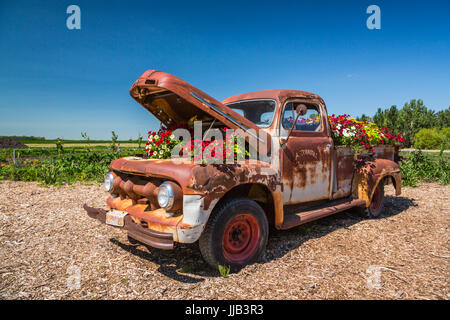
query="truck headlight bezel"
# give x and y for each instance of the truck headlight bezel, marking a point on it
(109, 180)
(170, 196)
(165, 196)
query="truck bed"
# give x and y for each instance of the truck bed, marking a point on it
(343, 160)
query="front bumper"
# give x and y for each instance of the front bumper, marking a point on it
(147, 236)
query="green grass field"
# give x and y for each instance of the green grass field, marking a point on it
(81, 144)
(75, 162)
(434, 155)
(82, 161)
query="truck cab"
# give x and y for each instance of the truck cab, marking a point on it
(297, 176)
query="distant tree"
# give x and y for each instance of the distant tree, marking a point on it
(410, 119)
(364, 118)
(388, 118)
(413, 117)
(114, 138)
(378, 118)
(87, 139)
(59, 146)
(139, 139)
(24, 138)
(443, 118)
(393, 120)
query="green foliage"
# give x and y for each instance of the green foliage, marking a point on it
(432, 138)
(410, 119)
(364, 118)
(224, 270)
(443, 118)
(67, 142)
(413, 117)
(139, 139)
(388, 118)
(114, 138)
(22, 138)
(49, 167)
(444, 133)
(422, 167)
(87, 139)
(59, 146)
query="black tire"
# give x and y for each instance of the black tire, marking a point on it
(376, 207)
(235, 223)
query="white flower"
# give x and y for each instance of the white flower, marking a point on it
(156, 137)
(347, 133)
(164, 146)
(150, 138)
(161, 152)
(172, 136)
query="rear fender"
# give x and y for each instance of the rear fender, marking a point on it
(367, 178)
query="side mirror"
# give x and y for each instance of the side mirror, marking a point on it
(301, 110)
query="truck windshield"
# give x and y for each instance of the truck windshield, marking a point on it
(260, 112)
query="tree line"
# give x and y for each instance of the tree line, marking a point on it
(420, 126)
(18, 138)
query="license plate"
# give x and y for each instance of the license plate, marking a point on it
(115, 218)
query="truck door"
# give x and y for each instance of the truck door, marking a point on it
(306, 157)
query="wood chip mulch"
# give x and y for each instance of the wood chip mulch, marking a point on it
(48, 243)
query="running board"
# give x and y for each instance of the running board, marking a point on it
(297, 219)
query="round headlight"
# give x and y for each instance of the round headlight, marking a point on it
(109, 179)
(165, 196)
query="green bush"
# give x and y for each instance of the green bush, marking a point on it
(61, 169)
(421, 167)
(444, 133)
(432, 138)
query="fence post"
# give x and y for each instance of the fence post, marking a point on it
(14, 156)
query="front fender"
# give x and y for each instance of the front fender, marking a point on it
(367, 178)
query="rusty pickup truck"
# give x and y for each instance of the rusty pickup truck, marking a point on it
(229, 207)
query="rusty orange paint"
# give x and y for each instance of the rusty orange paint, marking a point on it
(371, 174)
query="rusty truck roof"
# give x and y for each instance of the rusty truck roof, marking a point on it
(278, 94)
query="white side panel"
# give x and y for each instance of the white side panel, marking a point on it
(196, 216)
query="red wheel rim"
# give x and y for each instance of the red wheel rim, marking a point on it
(240, 238)
(376, 200)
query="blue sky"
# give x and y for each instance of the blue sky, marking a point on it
(56, 82)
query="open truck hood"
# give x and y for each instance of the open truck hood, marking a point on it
(173, 101)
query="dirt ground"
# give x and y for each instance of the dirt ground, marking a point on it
(50, 249)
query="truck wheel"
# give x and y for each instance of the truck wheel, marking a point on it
(376, 206)
(236, 234)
